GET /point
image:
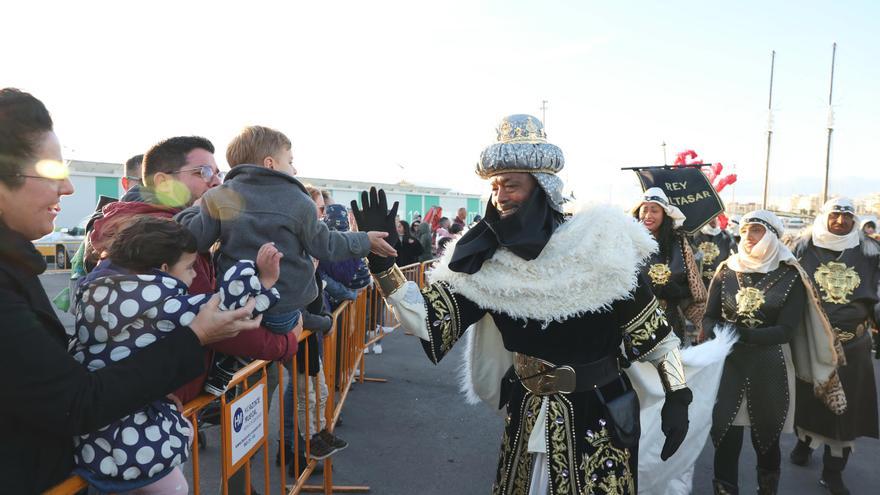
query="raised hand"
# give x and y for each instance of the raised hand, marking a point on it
(374, 217)
(269, 264)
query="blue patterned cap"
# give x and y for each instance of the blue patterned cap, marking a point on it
(522, 147)
(336, 217)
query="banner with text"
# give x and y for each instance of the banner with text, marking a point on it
(688, 189)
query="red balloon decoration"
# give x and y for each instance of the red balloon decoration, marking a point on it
(712, 172)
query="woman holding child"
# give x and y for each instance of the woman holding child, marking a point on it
(49, 396)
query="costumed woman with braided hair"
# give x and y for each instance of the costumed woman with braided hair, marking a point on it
(546, 305)
(764, 294)
(672, 269)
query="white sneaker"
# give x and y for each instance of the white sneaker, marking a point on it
(366, 349)
(388, 329)
(377, 348)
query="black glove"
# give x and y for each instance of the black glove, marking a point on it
(374, 216)
(674, 420)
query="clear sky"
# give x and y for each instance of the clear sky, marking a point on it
(410, 90)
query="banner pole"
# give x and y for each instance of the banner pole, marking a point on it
(769, 130)
(830, 127)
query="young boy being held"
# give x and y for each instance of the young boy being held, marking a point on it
(261, 201)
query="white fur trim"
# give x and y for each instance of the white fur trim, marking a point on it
(484, 365)
(591, 261)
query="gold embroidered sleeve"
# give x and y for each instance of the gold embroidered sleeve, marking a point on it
(444, 319)
(642, 333)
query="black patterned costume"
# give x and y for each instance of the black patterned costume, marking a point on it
(712, 250)
(577, 429)
(847, 286)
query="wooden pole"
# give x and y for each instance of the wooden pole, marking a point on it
(830, 126)
(769, 130)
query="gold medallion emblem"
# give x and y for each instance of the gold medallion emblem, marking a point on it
(837, 282)
(660, 274)
(710, 252)
(748, 301)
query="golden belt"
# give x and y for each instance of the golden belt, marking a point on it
(544, 378)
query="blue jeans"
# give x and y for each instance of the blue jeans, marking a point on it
(281, 323)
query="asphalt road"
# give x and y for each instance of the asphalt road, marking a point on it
(415, 435)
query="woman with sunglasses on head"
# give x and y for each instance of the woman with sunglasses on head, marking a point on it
(764, 294)
(49, 397)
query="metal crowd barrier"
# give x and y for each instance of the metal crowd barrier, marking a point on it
(245, 406)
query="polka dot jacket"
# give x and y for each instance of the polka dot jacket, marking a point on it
(116, 316)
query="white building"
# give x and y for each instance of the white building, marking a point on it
(94, 179)
(412, 198)
(91, 180)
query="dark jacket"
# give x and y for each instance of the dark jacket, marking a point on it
(425, 241)
(409, 250)
(48, 397)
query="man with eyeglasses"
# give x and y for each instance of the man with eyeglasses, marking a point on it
(131, 175)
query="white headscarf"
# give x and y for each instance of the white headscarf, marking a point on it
(823, 238)
(656, 195)
(710, 230)
(768, 253)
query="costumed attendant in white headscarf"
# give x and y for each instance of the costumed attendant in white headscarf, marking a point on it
(715, 245)
(844, 267)
(672, 269)
(763, 293)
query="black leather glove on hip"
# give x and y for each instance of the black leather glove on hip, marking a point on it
(375, 216)
(674, 420)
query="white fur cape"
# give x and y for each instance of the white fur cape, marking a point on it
(591, 261)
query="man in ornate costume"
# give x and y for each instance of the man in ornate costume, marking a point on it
(844, 269)
(550, 300)
(714, 245)
(769, 300)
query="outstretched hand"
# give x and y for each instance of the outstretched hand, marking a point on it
(374, 217)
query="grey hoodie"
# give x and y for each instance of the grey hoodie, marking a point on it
(256, 205)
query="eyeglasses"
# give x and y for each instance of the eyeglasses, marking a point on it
(56, 182)
(205, 171)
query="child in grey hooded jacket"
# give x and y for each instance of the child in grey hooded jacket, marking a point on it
(260, 201)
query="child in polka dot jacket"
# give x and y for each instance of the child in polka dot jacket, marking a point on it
(135, 297)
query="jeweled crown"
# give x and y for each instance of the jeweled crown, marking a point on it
(521, 129)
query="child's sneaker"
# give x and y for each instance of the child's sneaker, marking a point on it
(377, 348)
(222, 372)
(333, 440)
(320, 449)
